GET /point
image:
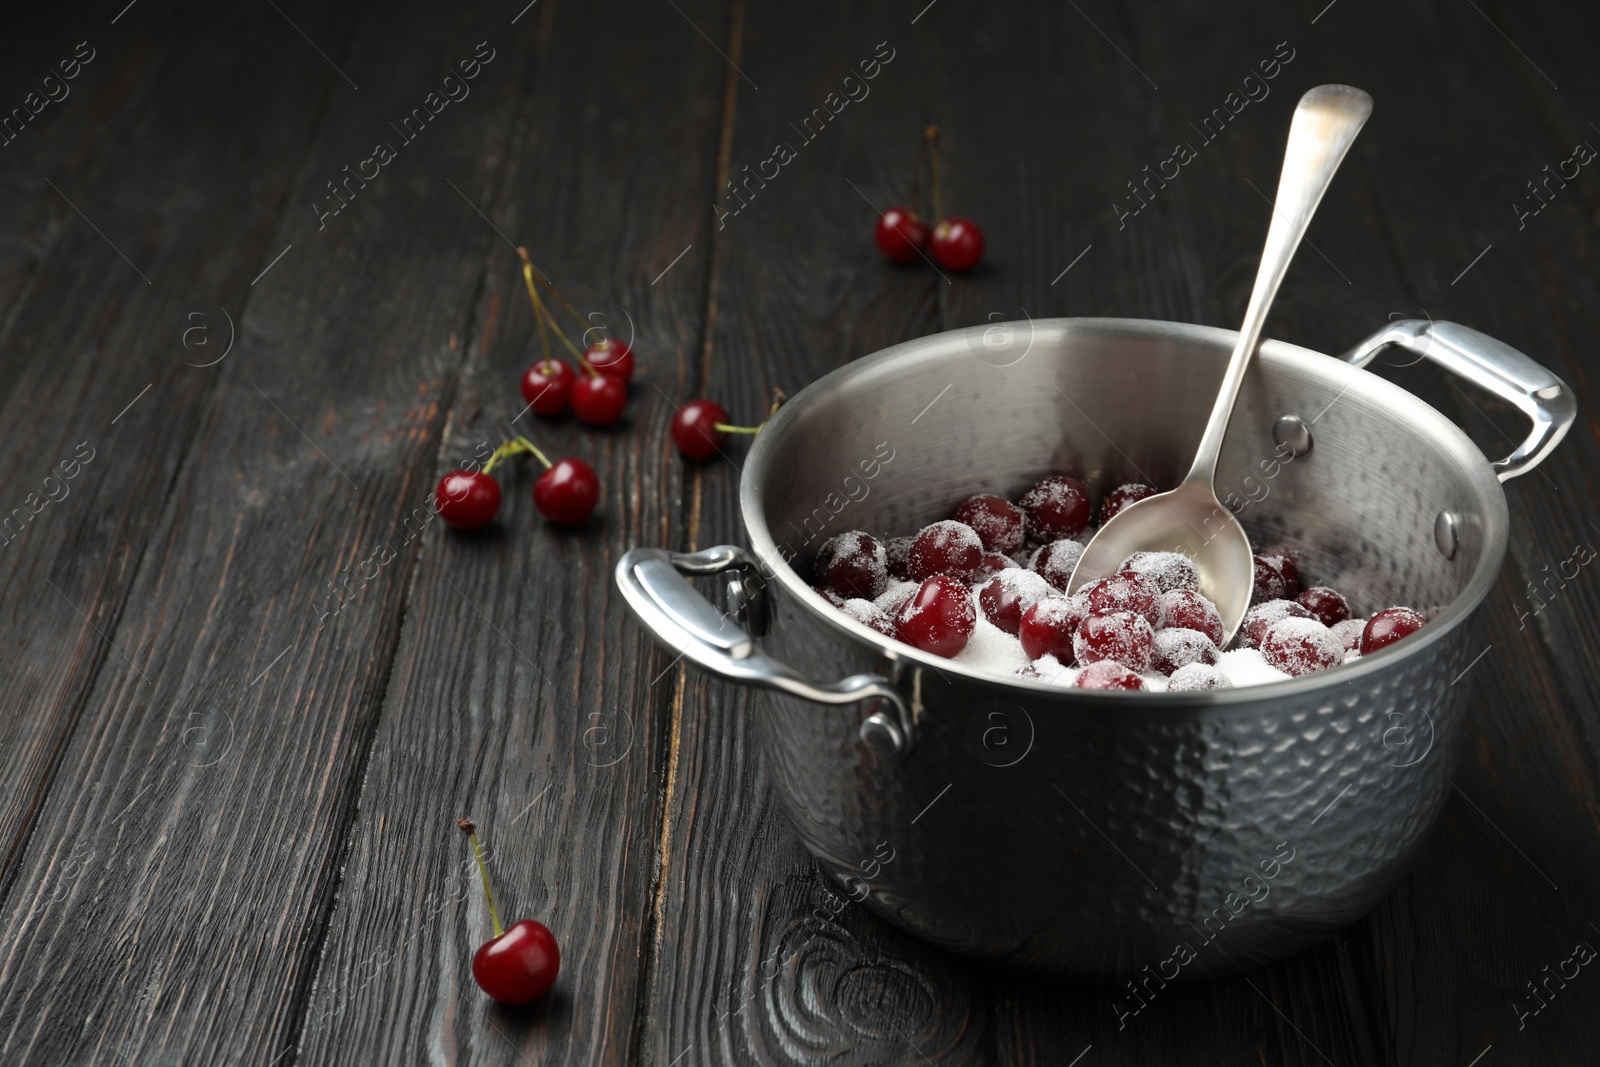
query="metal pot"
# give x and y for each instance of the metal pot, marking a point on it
(1100, 834)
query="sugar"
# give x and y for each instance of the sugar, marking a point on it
(1247, 666)
(991, 648)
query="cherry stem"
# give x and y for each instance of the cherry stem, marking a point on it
(550, 285)
(529, 446)
(725, 428)
(471, 830)
(543, 316)
(930, 137)
(515, 447)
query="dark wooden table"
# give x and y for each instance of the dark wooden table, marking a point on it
(248, 686)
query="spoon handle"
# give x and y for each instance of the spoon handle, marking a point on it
(1325, 123)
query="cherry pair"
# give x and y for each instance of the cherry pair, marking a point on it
(565, 493)
(701, 426)
(520, 964)
(953, 243)
(600, 392)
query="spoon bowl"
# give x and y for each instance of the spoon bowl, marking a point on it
(1190, 519)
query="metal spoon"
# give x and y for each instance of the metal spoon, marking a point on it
(1190, 519)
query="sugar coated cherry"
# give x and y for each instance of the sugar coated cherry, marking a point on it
(546, 387)
(1121, 497)
(1176, 647)
(1301, 646)
(1327, 605)
(1056, 507)
(946, 547)
(1188, 610)
(1108, 674)
(1168, 571)
(467, 500)
(598, 399)
(1055, 561)
(1259, 619)
(1197, 677)
(1387, 627)
(1049, 627)
(938, 618)
(994, 563)
(1349, 633)
(611, 357)
(898, 550)
(1288, 564)
(1123, 636)
(567, 492)
(1009, 594)
(1126, 591)
(1268, 583)
(997, 522)
(694, 428)
(853, 565)
(901, 236)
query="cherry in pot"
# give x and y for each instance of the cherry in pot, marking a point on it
(467, 500)
(520, 964)
(938, 618)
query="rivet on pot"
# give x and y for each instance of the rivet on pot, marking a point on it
(1444, 534)
(1291, 432)
(882, 736)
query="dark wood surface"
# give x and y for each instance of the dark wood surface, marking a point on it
(226, 808)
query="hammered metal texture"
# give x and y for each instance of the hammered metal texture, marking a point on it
(1098, 834)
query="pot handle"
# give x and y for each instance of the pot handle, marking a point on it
(652, 582)
(1493, 366)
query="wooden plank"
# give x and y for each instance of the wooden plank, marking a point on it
(144, 154)
(524, 694)
(199, 828)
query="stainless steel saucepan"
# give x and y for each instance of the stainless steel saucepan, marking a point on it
(1091, 833)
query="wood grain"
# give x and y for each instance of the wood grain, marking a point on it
(524, 695)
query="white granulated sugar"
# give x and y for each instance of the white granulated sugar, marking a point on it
(991, 648)
(1025, 585)
(1246, 666)
(894, 596)
(1051, 670)
(863, 611)
(1167, 570)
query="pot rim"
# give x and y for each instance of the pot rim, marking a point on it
(1339, 374)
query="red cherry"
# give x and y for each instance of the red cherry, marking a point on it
(1268, 583)
(467, 500)
(1261, 618)
(1301, 646)
(957, 244)
(1325, 604)
(1127, 591)
(946, 547)
(938, 618)
(567, 492)
(1121, 497)
(599, 399)
(1175, 648)
(1167, 571)
(1123, 636)
(694, 428)
(1288, 565)
(520, 965)
(1387, 627)
(994, 563)
(1006, 596)
(546, 386)
(611, 357)
(1108, 674)
(853, 564)
(901, 236)
(1049, 626)
(1184, 609)
(1054, 562)
(1055, 508)
(898, 550)
(997, 522)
